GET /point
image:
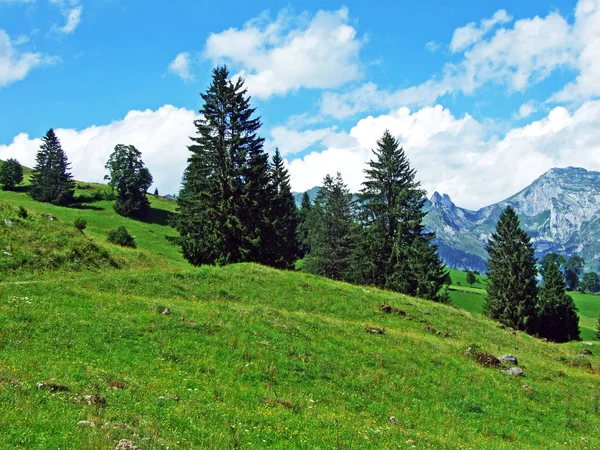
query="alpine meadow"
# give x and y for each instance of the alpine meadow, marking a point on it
(270, 264)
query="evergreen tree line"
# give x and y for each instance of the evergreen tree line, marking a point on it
(513, 295)
(52, 182)
(235, 206)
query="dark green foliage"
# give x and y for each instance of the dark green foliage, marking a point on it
(590, 283)
(130, 179)
(471, 279)
(281, 245)
(512, 287)
(330, 230)
(11, 174)
(598, 329)
(549, 259)
(22, 213)
(394, 251)
(226, 197)
(156, 192)
(573, 269)
(80, 224)
(557, 314)
(303, 213)
(50, 180)
(120, 236)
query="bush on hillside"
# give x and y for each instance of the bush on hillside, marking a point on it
(22, 213)
(80, 224)
(11, 174)
(121, 236)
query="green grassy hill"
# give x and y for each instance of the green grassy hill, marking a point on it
(471, 298)
(170, 356)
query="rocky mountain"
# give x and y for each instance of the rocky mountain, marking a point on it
(560, 211)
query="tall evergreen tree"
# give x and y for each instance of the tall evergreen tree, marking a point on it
(331, 230)
(573, 269)
(551, 258)
(131, 179)
(11, 174)
(303, 215)
(512, 287)
(395, 251)
(557, 314)
(282, 243)
(50, 181)
(224, 203)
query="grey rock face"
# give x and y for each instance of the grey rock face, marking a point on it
(560, 211)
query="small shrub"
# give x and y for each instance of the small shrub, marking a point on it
(121, 236)
(22, 212)
(80, 223)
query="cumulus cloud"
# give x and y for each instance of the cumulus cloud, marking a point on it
(586, 42)
(16, 65)
(458, 156)
(515, 57)
(292, 52)
(464, 37)
(181, 66)
(162, 136)
(526, 109)
(71, 11)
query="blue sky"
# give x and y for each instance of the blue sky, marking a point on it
(484, 96)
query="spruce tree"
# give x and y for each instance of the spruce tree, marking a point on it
(303, 215)
(282, 244)
(512, 286)
(395, 250)
(11, 174)
(130, 179)
(226, 195)
(557, 313)
(50, 180)
(331, 230)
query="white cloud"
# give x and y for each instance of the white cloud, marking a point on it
(516, 57)
(466, 36)
(71, 11)
(458, 156)
(586, 42)
(526, 109)
(162, 136)
(432, 46)
(15, 65)
(181, 66)
(292, 52)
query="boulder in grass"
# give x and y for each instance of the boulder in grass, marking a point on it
(513, 372)
(124, 444)
(509, 359)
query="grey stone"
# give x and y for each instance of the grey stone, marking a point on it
(513, 372)
(508, 358)
(124, 444)
(8, 222)
(86, 423)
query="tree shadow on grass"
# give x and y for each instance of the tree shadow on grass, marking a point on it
(158, 217)
(86, 207)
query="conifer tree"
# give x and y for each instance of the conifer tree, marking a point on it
(512, 287)
(50, 181)
(283, 242)
(226, 195)
(557, 313)
(395, 250)
(303, 215)
(11, 174)
(131, 179)
(331, 230)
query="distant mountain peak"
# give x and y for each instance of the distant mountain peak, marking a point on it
(560, 211)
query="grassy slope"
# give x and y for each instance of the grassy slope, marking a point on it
(252, 358)
(471, 299)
